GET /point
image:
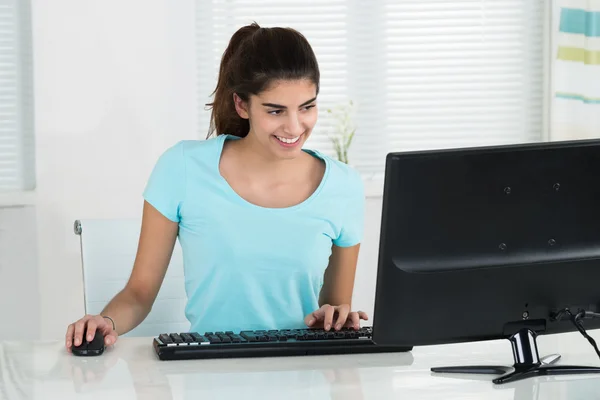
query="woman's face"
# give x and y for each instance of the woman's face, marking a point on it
(282, 116)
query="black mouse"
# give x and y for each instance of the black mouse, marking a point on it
(93, 348)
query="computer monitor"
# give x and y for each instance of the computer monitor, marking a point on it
(489, 243)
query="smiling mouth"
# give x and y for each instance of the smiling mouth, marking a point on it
(288, 140)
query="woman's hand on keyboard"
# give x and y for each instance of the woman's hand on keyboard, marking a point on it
(328, 315)
(89, 324)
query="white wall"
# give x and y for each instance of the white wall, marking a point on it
(19, 297)
(112, 92)
(366, 272)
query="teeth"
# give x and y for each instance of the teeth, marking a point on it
(289, 141)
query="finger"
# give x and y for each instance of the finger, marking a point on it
(310, 319)
(79, 328)
(111, 338)
(91, 330)
(317, 315)
(355, 318)
(342, 316)
(69, 336)
(329, 311)
(363, 315)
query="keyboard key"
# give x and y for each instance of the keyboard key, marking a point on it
(187, 337)
(237, 338)
(214, 339)
(251, 338)
(176, 338)
(198, 338)
(166, 339)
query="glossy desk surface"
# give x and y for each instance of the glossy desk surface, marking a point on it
(130, 370)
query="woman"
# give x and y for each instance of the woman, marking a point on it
(270, 232)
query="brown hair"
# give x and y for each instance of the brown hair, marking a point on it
(254, 58)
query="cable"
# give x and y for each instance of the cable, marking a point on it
(576, 319)
(589, 314)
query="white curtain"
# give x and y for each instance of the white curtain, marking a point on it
(576, 70)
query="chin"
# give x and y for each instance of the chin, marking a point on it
(287, 154)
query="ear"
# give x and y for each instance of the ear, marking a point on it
(241, 106)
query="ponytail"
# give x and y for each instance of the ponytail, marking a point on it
(253, 58)
(224, 118)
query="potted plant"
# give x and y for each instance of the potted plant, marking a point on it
(343, 129)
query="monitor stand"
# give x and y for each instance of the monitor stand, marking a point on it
(527, 363)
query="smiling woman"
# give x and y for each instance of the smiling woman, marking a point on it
(269, 231)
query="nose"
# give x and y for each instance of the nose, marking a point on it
(294, 125)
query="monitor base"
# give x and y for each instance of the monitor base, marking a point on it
(527, 363)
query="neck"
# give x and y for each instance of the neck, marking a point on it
(259, 161)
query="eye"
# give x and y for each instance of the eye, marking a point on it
(309, 107)
(275, 112)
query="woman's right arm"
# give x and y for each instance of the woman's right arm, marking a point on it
(133, 303)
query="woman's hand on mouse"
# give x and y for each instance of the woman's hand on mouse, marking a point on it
(76, 330)
(335, 316)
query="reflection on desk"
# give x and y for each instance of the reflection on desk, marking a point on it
(130, 369)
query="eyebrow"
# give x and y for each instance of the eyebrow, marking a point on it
(284, 107)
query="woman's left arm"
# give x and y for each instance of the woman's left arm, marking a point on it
(338, 282)
(335, 299)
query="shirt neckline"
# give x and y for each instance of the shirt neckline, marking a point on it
(221, 143)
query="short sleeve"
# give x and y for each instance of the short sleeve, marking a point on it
(165, 189)
(353, 216)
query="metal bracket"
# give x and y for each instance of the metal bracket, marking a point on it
(77, 227)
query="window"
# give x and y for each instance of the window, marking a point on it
(423, 73)
(17, 172)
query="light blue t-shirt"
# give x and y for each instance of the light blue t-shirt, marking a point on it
(248, 267)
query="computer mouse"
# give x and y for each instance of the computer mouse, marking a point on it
(92, 348)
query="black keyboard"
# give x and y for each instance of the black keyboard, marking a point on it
(260, 343)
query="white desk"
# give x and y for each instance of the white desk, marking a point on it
(130, 370)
